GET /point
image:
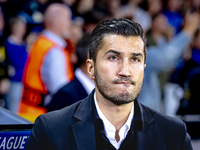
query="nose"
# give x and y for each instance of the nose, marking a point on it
(125, 70)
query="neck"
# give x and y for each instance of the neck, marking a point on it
(16, 39)
(54, 30)
(116, 114)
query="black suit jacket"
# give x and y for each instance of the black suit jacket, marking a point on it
(72, 128)
(67, 95)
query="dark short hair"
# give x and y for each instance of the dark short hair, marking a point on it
(82, 49)
(114, 26)
(14, 20)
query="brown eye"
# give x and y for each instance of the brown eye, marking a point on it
(113, 58)
(135, 59)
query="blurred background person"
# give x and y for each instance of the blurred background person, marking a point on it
(188, 77)
(76, 33)
(32, 36)
(173, 14)
(91, 10)
(164, 58)
(81, 86)
(114, 7)
(154, 7)
(16, 55)
(48, 67)
(82, 7)
(134, 11)
(172, 91)
(159, 35)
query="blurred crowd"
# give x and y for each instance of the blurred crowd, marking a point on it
(34, 71)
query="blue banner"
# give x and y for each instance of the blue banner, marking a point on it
(13, 140)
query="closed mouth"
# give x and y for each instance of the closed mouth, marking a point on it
(123, 82)
(118, 81)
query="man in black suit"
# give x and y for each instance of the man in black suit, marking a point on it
(81, 86)
(111, 117)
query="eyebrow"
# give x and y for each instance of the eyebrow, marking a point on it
(137, 54)
(118, 53)
(113, 51)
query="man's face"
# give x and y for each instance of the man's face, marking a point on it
(119, 68)
(19, 28)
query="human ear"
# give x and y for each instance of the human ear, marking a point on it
(90, 68)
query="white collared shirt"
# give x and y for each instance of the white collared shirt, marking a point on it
(110, 129)
(86, 82)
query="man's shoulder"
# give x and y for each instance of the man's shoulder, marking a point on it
(73, 91)
(62, 117)
(73, 85)
(67, 111)
(163, 121)
(168, 130)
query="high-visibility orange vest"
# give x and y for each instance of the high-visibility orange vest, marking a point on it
(32, 76)
(34, 87)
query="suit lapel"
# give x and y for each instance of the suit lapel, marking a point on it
(84, 129)
(147, 137)
(84, 134)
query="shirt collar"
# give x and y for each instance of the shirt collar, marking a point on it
(55, 38)
(110, 130)
(137, 121)
(101, 115)
(86, 82)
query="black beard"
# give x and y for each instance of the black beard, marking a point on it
(114, 97)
